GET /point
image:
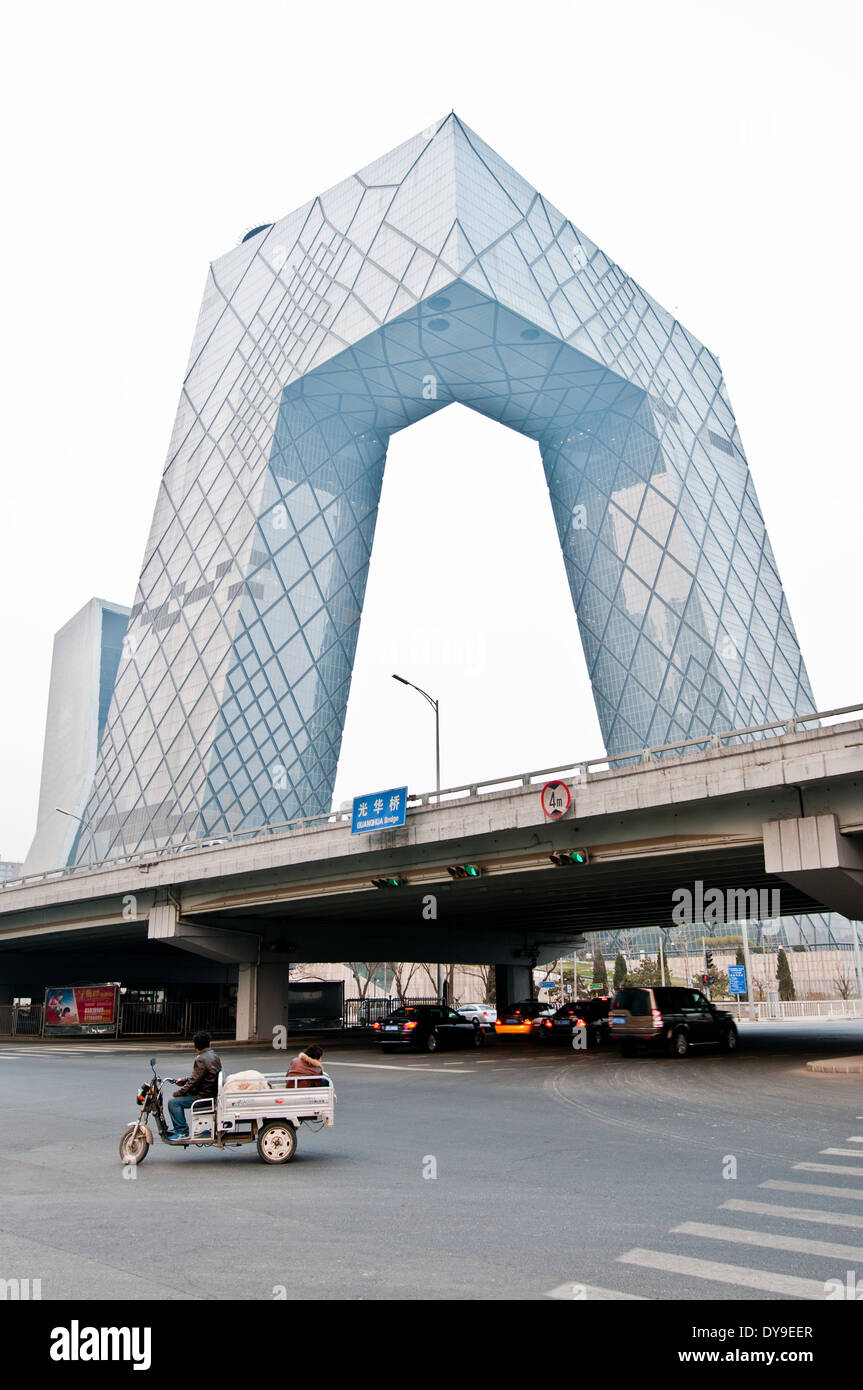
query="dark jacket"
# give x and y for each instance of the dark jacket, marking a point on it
(204, 1080)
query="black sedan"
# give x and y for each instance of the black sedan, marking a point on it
(591, 1014)
(427, 1027)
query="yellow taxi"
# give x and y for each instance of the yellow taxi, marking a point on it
(524, 1017)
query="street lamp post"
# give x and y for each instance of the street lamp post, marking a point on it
(80, 819)
(435, 704)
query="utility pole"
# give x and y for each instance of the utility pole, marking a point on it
(857, 968)
(435, 704)
(748, 959)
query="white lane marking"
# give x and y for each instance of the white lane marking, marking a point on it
(814, 1190)
(854, 1139)
(843, 1153)
(10, 1050)
(742, 1276)
(766, 1240)
(818, 1218)
(411, 1066)
(591, 1292)
(829, 1168)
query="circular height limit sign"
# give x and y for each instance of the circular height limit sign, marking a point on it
(556, 799)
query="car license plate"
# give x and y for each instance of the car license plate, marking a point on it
(618, 1018)
(391, 1028)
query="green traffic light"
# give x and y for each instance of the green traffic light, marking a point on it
(471, 870)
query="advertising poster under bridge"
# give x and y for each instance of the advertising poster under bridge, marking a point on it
(76, 1011)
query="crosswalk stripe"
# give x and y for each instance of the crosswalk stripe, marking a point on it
(823, 1218)
(766, 1240)
(829, 1168)
(852, 1194)
(842, 1153)
(741, 1275)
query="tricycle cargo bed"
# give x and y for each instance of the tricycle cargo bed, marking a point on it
(292, 1098)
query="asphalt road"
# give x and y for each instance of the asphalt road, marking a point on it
(557, 1173)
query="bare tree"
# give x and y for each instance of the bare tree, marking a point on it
(484, 975)
(364, 972)
(403, 973)
(845, 985)
(447, 972)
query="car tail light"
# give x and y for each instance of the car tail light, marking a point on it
(579, 1023)
(547, 1023)
(376, 1025)
(408, 1026)
(656, 1016)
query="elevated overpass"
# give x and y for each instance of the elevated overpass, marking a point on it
(779, 815)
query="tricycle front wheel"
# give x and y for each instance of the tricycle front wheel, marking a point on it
(134, 1146)
(277, 1142)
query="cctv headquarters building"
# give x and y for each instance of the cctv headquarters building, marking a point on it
(435, 274)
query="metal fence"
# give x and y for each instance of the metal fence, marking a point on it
(804, 1008)
(135, 1020)
(20, 1020)
(144, 1020)
(362, 1013)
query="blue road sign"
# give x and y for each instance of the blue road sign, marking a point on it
(737, 979)
(379, 810)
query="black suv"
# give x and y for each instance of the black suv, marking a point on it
(591, 1014)
(669, 1019)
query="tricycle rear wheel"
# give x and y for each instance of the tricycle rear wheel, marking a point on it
(277, 1142)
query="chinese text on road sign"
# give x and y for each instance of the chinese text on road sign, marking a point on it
(379, 810)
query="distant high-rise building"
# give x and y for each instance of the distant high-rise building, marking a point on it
(87, 653)
(10, 870)
(437, 274)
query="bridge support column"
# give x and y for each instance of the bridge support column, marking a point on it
(812, 853)
(511, 983)
(262, 1000)
(257, 987)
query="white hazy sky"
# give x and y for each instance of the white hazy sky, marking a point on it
(711, 149)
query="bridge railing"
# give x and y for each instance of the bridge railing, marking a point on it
(583, 770)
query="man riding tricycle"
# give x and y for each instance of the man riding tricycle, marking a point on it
(265, 1109)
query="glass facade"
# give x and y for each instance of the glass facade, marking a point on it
(437, 274)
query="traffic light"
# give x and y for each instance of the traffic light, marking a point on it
(562, 857)
(463, 870)
(708, 956)
(705, 979)
(395, 882)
